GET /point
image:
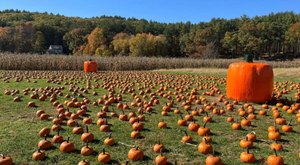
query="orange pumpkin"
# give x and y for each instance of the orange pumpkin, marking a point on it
(249, 81)
(90, 66)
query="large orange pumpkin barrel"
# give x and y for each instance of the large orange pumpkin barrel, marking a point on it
(90, 66)
(249, 81)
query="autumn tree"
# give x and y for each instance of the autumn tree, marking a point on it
(249, 39)
(231, 42)
(96, 39)
(121, 44)
(74, 39)
(6, 39)
(24, 37)
(39, 43)
(292, 38)
(147, 45)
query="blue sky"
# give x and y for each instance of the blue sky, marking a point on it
(157, 10)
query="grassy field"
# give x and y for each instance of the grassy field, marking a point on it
(19, 126)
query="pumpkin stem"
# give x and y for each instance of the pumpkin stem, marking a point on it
(247, 150)
(205, 140)
(68, 139)
(58, 132)
(181, 117)
(246, 138)
(158, 140)
(87, 129)
(161, 152)
(275, 152)
(204, 125)
(290, 122)
(103, 150)
(186, 134)
(45, 137)
(249, 58)
(206, 113)
(39, 150)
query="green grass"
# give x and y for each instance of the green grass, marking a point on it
(19, 126)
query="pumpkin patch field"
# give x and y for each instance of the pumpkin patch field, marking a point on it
(143, 117)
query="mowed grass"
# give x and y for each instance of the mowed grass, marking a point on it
(19, 125)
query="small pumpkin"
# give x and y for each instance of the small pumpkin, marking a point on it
(104, 157)
(158, 147)
(135, 154)
(251, 136)
(236, 126)
(246, 143)
(247, 157)
(275, 159)
(67, 146)
(44, 144)
(205, 148)
(276, 146)
(87, 120)
(160, 159)
(86, 150)
(109, 141)
(287, 128)
(213, 160)
(87, 136)
(207, 119)
(162, 124)
(274, 135)
(186, 138)
(38, 155)
(44, 132)
(181, 122)
(57, 138)
(193, 126)
(135, 134)
(77, 130)
(202, 131)
(245, 122)
(83, 162)
(5, 160)
(230, 119)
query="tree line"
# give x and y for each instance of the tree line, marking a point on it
(276, 34)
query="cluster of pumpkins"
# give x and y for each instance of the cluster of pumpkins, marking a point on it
(148, 86)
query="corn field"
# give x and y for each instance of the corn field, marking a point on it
(63, 62)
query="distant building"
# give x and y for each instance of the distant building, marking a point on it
(55, 49)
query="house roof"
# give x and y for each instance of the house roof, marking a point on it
(58, 47)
